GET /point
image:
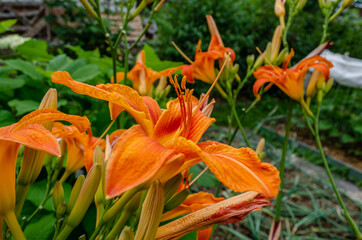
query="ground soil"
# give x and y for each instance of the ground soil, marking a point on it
(331, 150)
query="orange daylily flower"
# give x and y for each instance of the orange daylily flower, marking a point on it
(290, 80)
(80, 147)
(144, 77)
(166, 143)
(29, 132)
(203, 67)
(227, 211)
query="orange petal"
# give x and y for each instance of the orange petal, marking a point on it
(240, 169)
(33, 136)
(170, 126)
(48, 115)
(121, 98)
(135, 159)
(153, 108)
(204, 234)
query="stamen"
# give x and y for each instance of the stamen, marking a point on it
(182, 53)
(262, 54)
(212, 86)
(104, 133)
(198, 176)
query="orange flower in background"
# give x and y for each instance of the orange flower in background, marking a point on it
(29, 132)
(203, 67)
(144, 77)
(78, 145)
(290, 80)
(166, 143)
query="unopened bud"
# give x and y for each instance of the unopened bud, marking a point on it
(275, 45)
(259, 61)
(347, 3)
(177, 199)
(260, 146)
(60, 210)
(268, 51)
(250, 59)
(281, 57)
(329, 85)
(321, 82)
(151, 213)
(171, 186)
(75, 193)
(320, 96)
(85, 197)
(300, 5)
(126, 234)
(279, 8)
(316, 78)
(58, 194)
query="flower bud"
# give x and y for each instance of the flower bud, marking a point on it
(300, 5)
(58, 194)
(126, 234)
(171, 186)
(268, 51)
(84, 199)
(275, 45)
(281, 57)
(60, 210)
(317, 77)
(33, 159)
(279, 8)
(250, 59)
(75, 193)
(151, 213)
(329, 85)
(177, 199)
(259, 61)
(58, 165)
(347, 3)
(260, 146)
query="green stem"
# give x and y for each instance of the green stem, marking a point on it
(14, 226)
(325, 26)
(67, 230)
(117, 228)
(282, 161)
(240, 126)
(47, 195)
(350, 221)
(291, 16)
(114, 210)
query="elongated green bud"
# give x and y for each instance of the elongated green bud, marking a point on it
(86, 195)
(177, 199)
(329, 85)
(268, 51)
(275, 45)
(300, 5)
(58, 195)
(127, 234)
(171, 186)
(250, 59)
(75, 193)
(281, 56)
(347, 3)
(60, 210)
(151, 212)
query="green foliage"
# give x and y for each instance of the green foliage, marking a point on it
(6, 24)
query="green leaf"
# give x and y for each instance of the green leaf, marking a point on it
(84, 54)
(35, 50)
(36, 194)
(6, 24)
(346, 138)
(325, 125)
(206, 180)
(42, 229)
(58, 63)
(190, 236)
(358, 128)
(86, 73)
(24, 67)
(152, 60)
(23, 106)
(6, 118)
(75, 65)
(11, 83)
